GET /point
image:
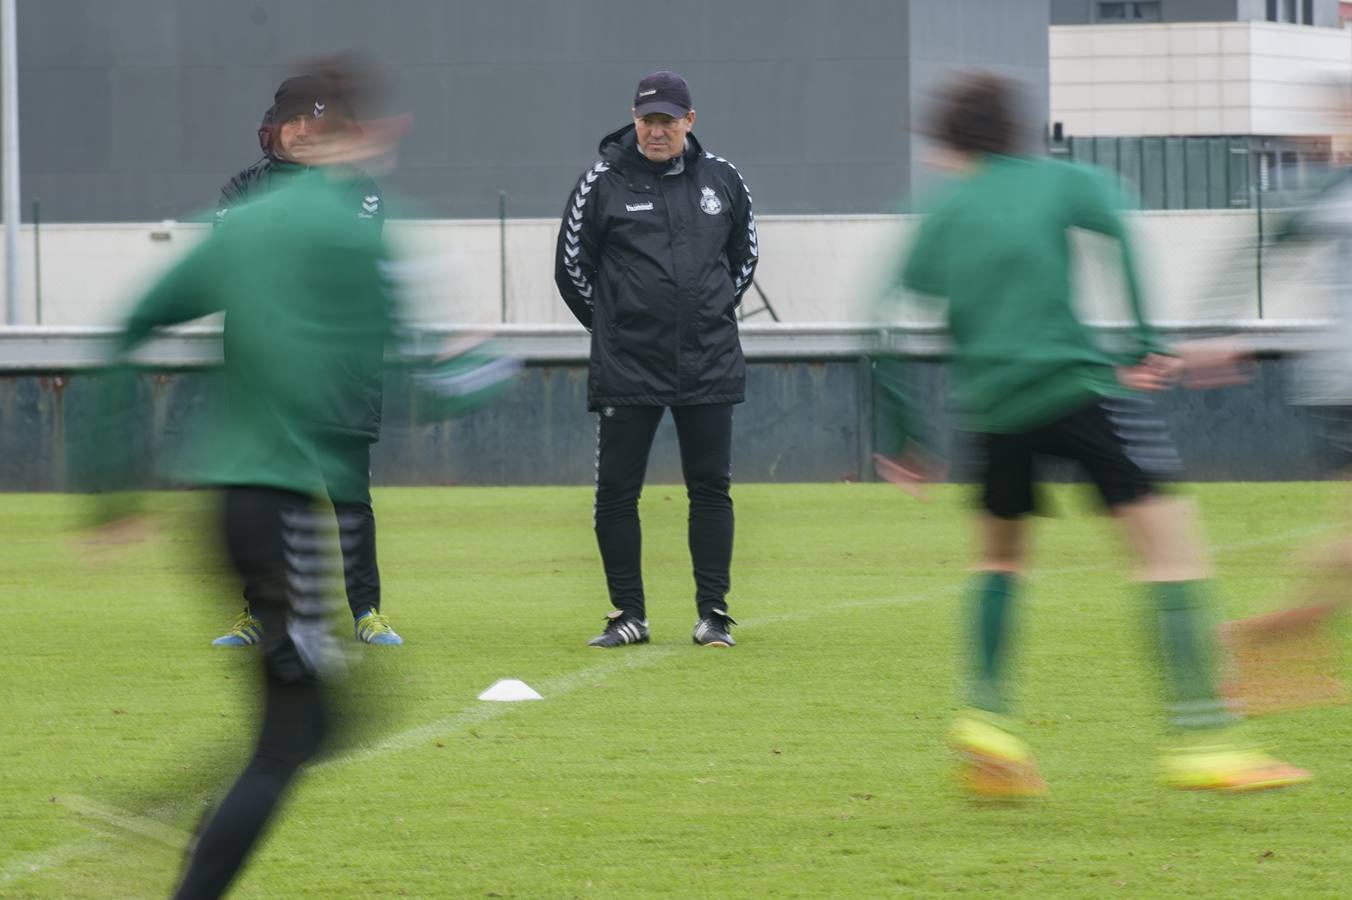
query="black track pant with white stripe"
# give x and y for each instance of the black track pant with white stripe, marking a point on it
(348, 478)
(274, 542)
(624, 440)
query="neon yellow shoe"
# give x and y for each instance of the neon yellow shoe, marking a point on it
(1223, 767)
(993, 762)
(246, 632)
(373, 628)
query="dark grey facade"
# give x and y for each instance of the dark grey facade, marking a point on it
(1323, 13)
(138, 110)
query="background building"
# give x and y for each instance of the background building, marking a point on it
(138, 112)
(1296, 12)
(1199, 103)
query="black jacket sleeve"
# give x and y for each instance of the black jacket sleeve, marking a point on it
(742, 248)
(240, 189)
(579, 245)
(231, 196)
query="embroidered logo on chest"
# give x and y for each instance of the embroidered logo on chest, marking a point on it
(638, 207)
(709, 201)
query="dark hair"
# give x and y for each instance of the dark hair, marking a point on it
(976, 114)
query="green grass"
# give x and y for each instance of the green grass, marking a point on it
(806, 762)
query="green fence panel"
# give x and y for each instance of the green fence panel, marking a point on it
(1129, 163)
(1105, 152)
(1152, 173)
(1195, 164)
(1218, 173)
(1240, 164)
(1175, 180)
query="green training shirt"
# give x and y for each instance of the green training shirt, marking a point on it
(996, 245)
(300, 280)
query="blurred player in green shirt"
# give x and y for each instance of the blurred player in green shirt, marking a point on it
(1029, 381)
(304, 284)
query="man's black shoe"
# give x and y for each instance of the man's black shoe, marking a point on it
(713, 630)
(621, 628)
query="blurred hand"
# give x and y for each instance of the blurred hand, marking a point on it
(1215, 362)
(1153, 373)
(910, 472)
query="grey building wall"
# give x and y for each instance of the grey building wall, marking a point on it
(140, 109)
(995, 35)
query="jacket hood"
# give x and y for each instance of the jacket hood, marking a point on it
(620, 148)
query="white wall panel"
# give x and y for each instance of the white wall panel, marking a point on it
(1238, 78)
(815, 269)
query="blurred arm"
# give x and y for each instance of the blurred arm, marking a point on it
(1096, 206)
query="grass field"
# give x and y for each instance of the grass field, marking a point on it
(808, 761)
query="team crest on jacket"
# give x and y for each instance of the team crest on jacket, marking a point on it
(709, 201)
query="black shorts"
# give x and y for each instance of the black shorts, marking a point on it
(1120, 443)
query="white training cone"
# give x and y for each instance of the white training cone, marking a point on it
(509, 690)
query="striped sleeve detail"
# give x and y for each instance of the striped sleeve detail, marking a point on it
(742, 280)
(572, 234)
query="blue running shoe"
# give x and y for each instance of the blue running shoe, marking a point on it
(373, 628)
(246, 632)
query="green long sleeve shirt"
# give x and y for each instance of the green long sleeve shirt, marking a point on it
(300, 280)
(996, 246)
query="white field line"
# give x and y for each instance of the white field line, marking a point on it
(52, 858)
(481, 711)
(175, 838)
(615, 662)
(636, 658)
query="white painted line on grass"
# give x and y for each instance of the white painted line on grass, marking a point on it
(616, 663)
(481, 712)
(174, 838)
(53, 858)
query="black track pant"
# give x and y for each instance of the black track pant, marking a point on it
(348, 477)
(624, 439)
(274, 541)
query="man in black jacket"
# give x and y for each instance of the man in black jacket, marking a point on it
(304, 108)
(657, 246)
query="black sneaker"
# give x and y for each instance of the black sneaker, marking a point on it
(621, 629)
(712, 630)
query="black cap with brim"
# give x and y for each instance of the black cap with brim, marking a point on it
(308, 95)
(662, 92)
(660, 106)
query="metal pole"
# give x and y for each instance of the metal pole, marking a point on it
(9, 180)
(502, 252)
(37, 258)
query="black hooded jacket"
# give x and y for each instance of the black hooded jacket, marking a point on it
(653, 259)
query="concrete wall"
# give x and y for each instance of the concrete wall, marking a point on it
(1195, 265)
(138, 110)
(804, 420)
(1238, 78)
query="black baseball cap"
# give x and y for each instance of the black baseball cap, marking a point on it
(662, 92)
(307, 95)
(301, 95)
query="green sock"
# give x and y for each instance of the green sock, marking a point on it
(1184, 632)
(990, 626)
